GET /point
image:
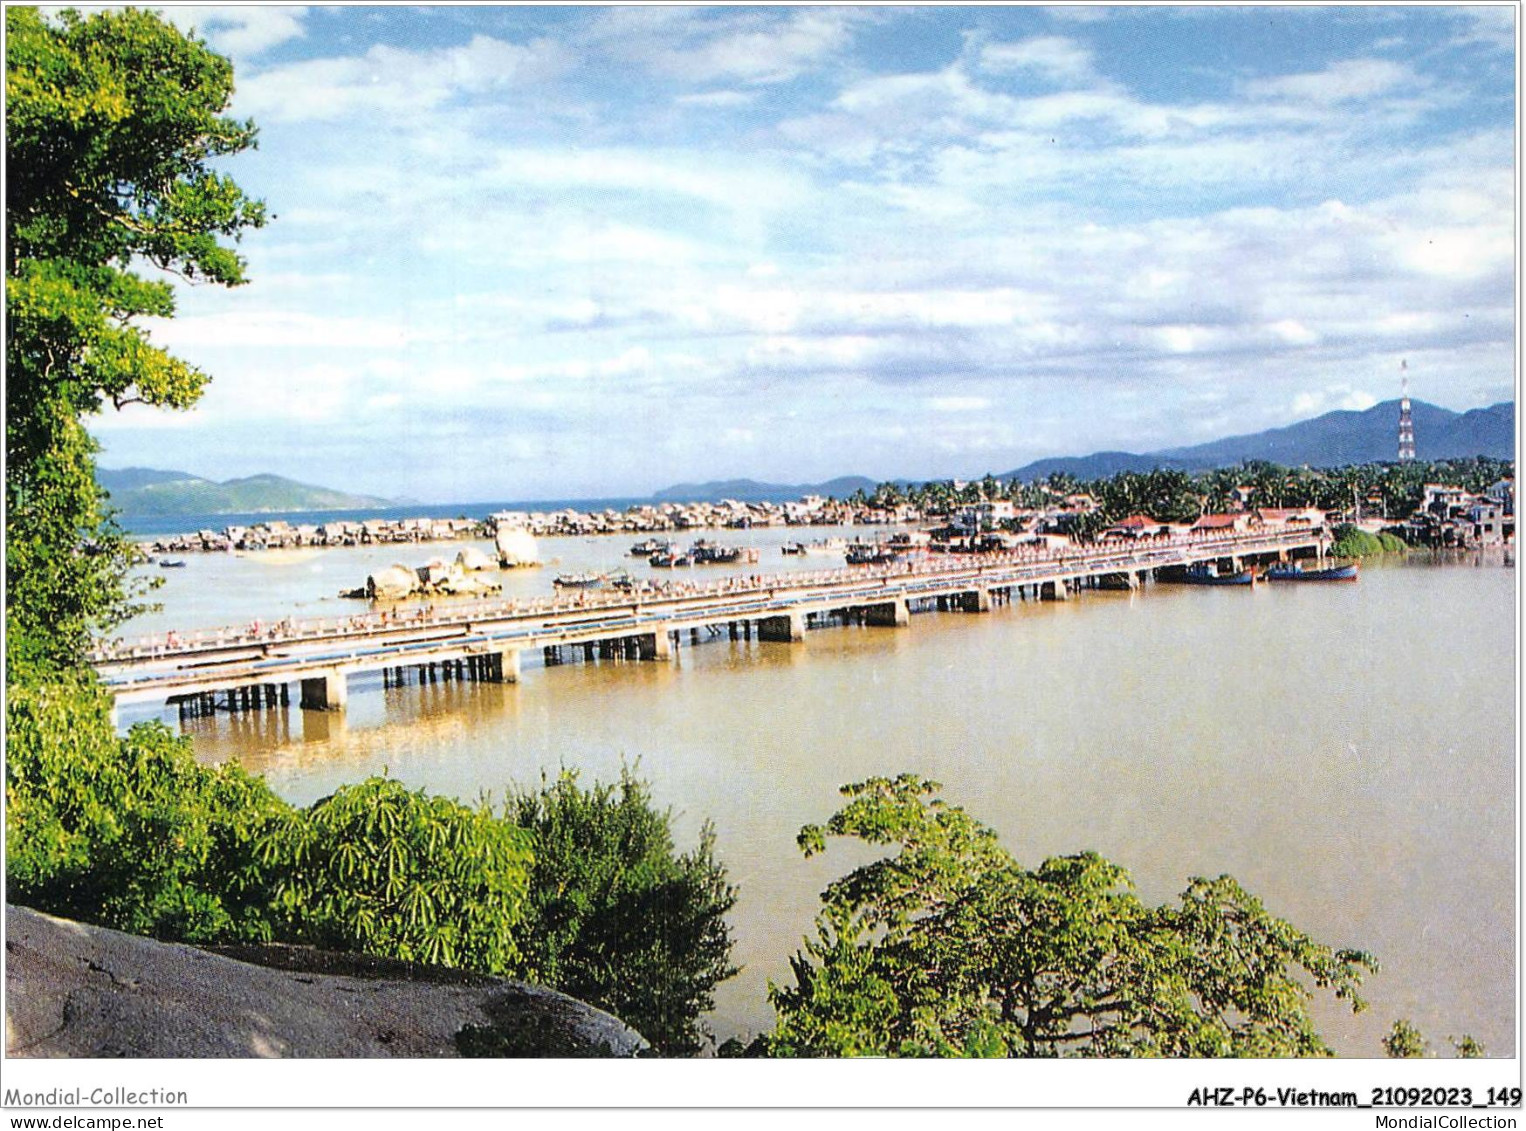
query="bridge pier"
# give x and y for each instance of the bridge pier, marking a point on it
(976, 601)
(1054, 591)
(657, 645)
(325, 692)
(500, 667)
(789, 628)
(892, 614)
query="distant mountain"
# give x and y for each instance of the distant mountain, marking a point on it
(1332, 440)
(149, 492)
(751, 491)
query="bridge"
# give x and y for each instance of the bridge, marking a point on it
(254, 667)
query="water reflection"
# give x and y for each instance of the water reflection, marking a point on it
(1330, 746)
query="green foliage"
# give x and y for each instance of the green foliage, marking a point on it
(950, 948)
(112, 124)
(1467, 1048)
(1353, 542)
(616, 916)
(129, 832)
(1405, 1042)
(377, 869)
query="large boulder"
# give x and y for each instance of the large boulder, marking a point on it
(516, 547)
(471, 559)
(392, 584)
(459, 584)
(73, 990)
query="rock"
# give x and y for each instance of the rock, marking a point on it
(516, 547)
(392, 584)
(74, 990)
(458, 584)
(471, 560)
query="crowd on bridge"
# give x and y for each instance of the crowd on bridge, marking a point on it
(258, 633)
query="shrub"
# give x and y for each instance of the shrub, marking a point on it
(1354, 542)
(381, 870)
(131, 832)
(951, 948)
(616, 916)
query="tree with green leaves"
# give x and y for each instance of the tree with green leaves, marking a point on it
(949, 947)
(617, 916)
(114, 125)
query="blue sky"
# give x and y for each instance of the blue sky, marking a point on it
(526, 252)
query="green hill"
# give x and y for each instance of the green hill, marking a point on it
(148, 492)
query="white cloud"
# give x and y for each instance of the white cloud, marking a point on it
(715, 177)
(958, 404)
(394, 81)
(243, 31)
(1052, 57)
(723, 99)
(239, 31)
(280, 329)
(1489, 24)
(704, 45)
(1345, 81)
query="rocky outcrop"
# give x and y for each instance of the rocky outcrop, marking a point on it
(473, 560)
(516, 548)
(434, 578)
(392, 583)
(73, 990)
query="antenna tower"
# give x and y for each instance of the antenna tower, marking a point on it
(1406, 423)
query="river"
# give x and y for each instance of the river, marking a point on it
(1347, 752)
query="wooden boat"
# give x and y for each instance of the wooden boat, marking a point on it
(865, 554)
(1208, 574)
(669, 560)
(578, 580)
(824, 546)
(708, 553)
(1288, 571)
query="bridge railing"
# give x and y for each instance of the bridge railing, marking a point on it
(292, 630)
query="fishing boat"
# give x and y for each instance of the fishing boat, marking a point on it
(1289, 571)
(709, 553)
(1206, 573)
(648, 547)
(578, 580)
(824, 546)
(172, 563)
(666, 559)
(863, 553)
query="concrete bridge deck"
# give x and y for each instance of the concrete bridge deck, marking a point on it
(255, 665)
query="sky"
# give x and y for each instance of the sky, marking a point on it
(531, 253)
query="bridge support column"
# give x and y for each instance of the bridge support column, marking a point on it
(788, 628)
(893, 614)
(501, 667)
(656, 646)
(976, 601)
(324, 692)
(1054, 591)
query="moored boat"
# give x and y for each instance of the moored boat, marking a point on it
(172, 563)
(666, 559)
(578, 580)
(1289, 571)
(1206, 573)
(863, 553)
